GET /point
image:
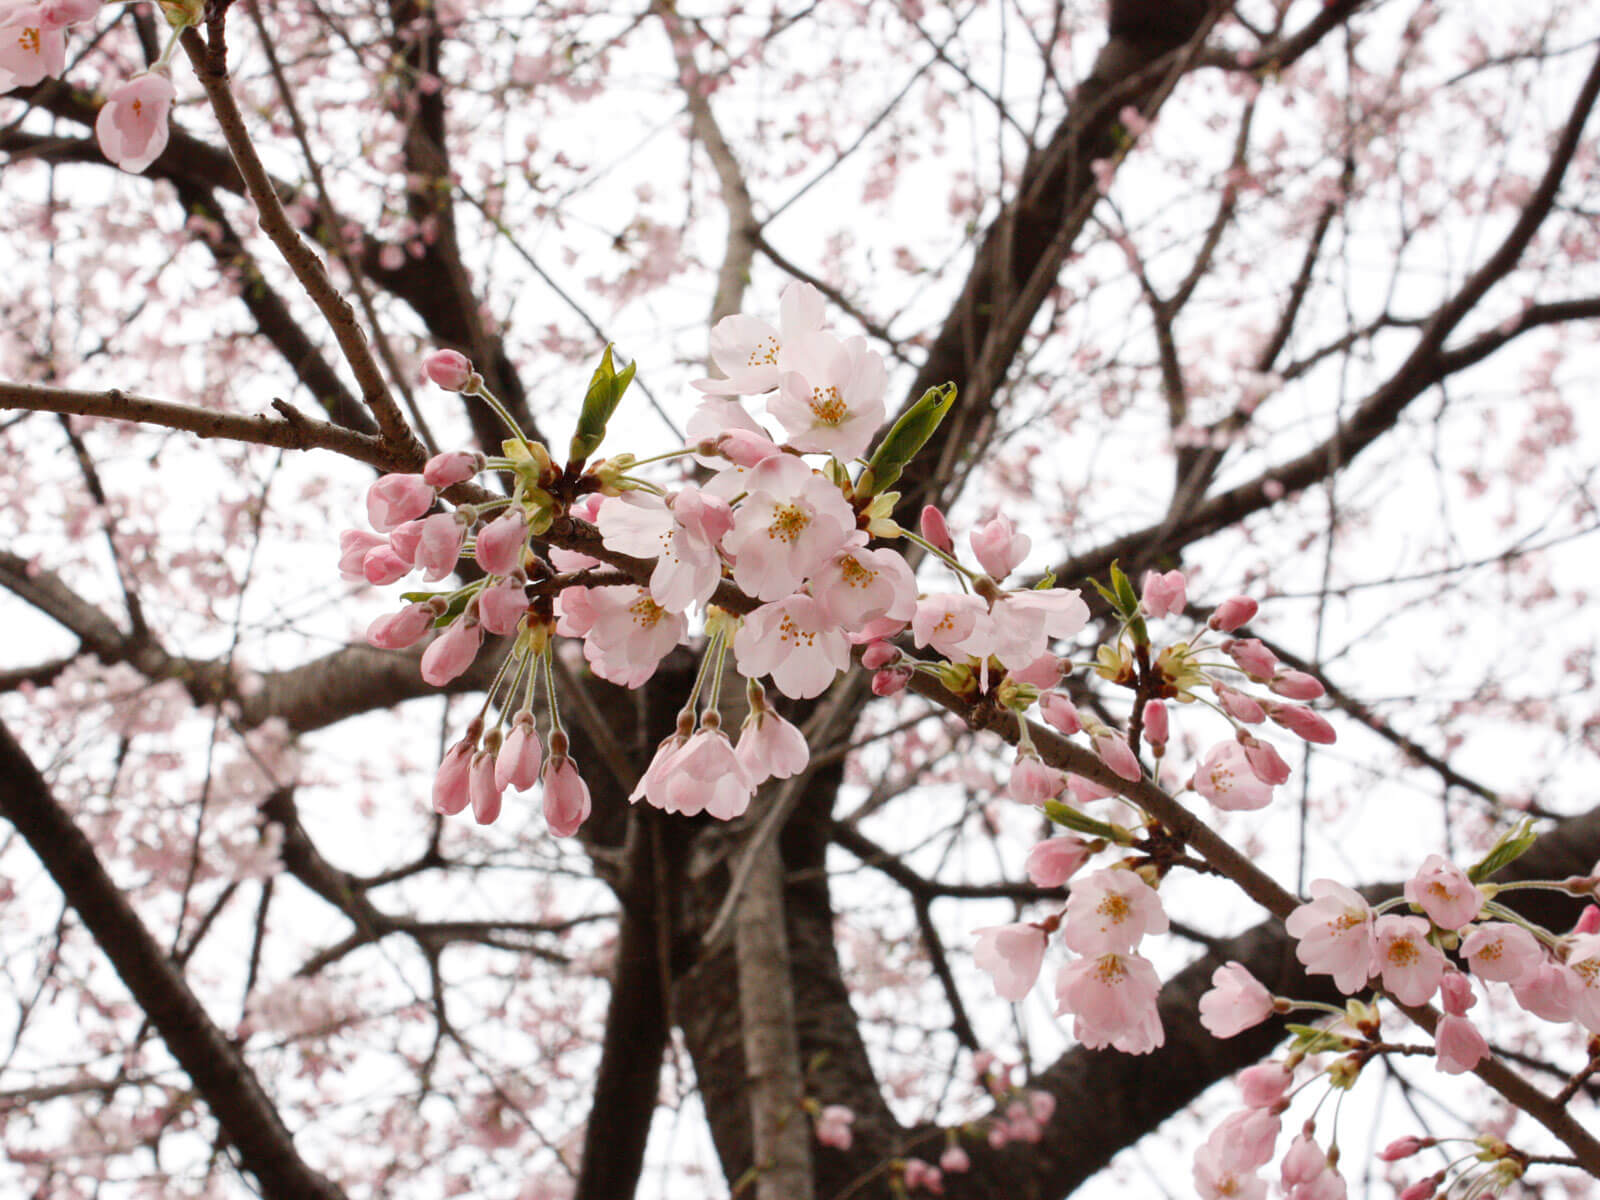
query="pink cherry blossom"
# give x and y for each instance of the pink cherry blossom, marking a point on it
(944, 620)
(1307, 1174)
(1236, 1002)
(1110, 911)
(1263, 760)
(682, 538)
(1113, 750)
(1248, 1137)
(1055, 860)
(132, 125)
(60, 13)
(878, 654)
(451, 788)
(770, 747)
(395, 499)
(519, 761)
(1060, 712)
(954, 1160)
(934, 529)
(1583, 960)
(451, 467)
(1458, 1046)
(354, 545)
(891, 681)
(382, 566)
(439, 541)
(1084, 790)
(1404, 1148)
(627, 634)
(1043, 672)
(732, 435)
(1113, 998)
(1455, 992)
(1443, 891)
(452, 653)
(1411, 965)
(1296, 685)
(1224, 777)
(1156, 725)
(32, 47)
(500, 543)
(1032, 782)
(1549, 992)
(1238, 705)
(792, 521)
(501, 607)
(486, 794)
(833, 1126)
(999, 548)
(1334, 932)
(566, 795)
(794, 643)
(858, 585)
(652, 785)
(1020, 625)
(1253, 658)
(1232, 613)
(705, 775)
(1218, 1178)
(1012, 954)
(396, 631)
(830, 395)
(1264, 1085)
(1303, 723)
(1501, 951)
(751, 353)
(1163, 595)
(924, 1177)
(451, 370)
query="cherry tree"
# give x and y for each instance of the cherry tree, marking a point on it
(793, 600)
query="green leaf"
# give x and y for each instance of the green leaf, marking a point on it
(908, 436)
(599, 403)
(1513, 844)
(1071, 818)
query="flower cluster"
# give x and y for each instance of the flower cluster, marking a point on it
(132, 125)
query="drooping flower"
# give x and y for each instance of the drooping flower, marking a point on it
(519, 761)
(625, 633)
(705, 775)
(1237, 1001)
(566, 795)
(1457, 1044)
(1012, 954)
(770, 747)
(132, 125)
(1113, 998)
(451, 653)
(793, 642)
(1055, 860)
(395, 499)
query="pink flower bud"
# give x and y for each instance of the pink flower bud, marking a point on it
(1457, 1044)
(1423, 1189)
(566, 796)
(354, 545)
(396, 631)
(1455, 993)
(1264, 1085)
(878, 654)
(439, 546)
(1055, 860)
(745, 448)
(450, 786)
(1303, 723)
(1032, 782)
(57, 14)
(517, 764)
(1043, 672)
(1253, 658)
(833, 1126)
(1114, 751)
(1155, 723)
(481, 787)
(450, 369)
(891, 681)
(1060, 713)
(132, 125)
(405, 540)
(1403, 1148)
(1238, 705)
(1232, 613)
(954, 1160)
(501, 542)
(1164, 595)
(501, 607)
(453, 466)
(1296, 685)
(999, 547)
(451, 654)
(934, 529)
(382, 566)
(1588, 920)
(1086, 790)
(1265, 762)
(395, 499)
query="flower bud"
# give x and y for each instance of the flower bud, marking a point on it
(450, 369)
(1232, 613)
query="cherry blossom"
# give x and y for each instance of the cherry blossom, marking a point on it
(1012, 954)
(1055, 860)
(999, 548)
(791, 522)
(1113, 998)
(1225, 778)
(1443, 891)
(1501, 951)
(32, 46)
(751, 353)
(1236, 1002)
(830, 399)
(1334, 932)
(132, 125)
(1111, 911)
(793, 642)
(1411, 965)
